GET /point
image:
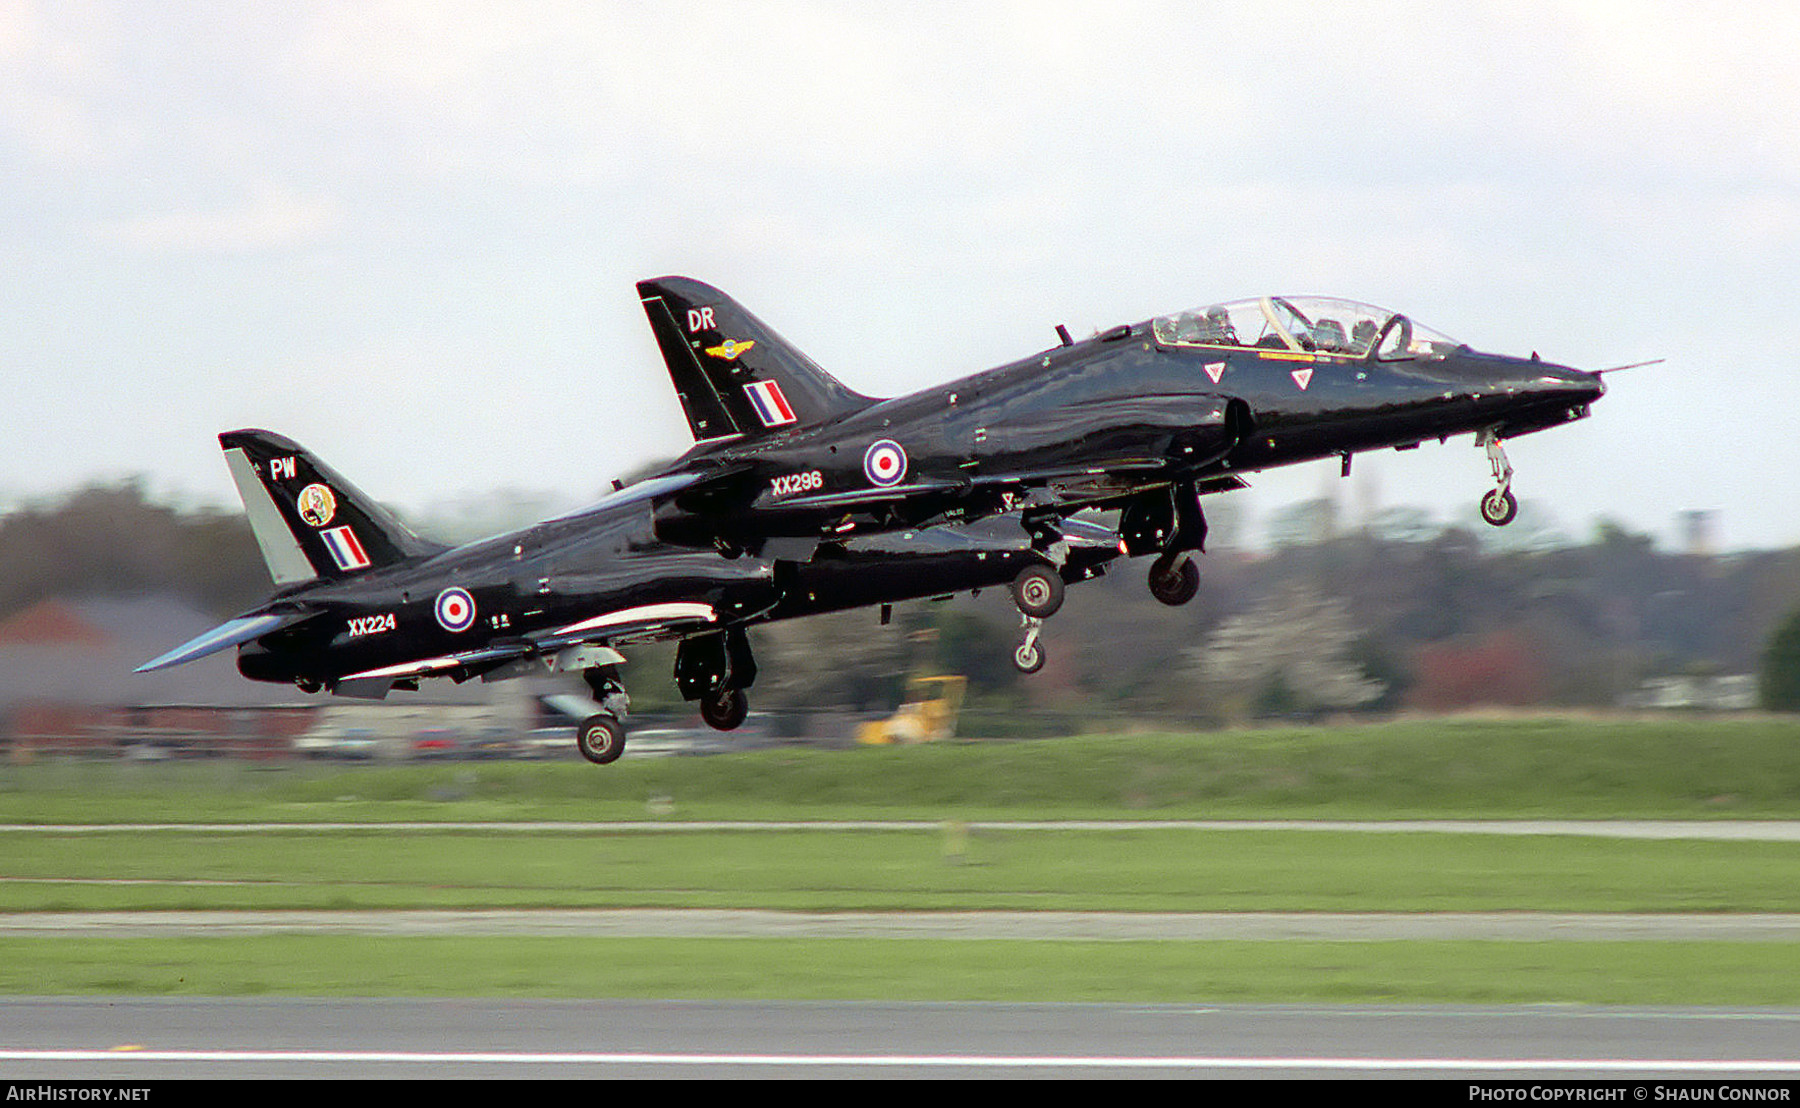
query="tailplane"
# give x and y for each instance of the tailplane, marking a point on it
(309, 522)
(733, 374)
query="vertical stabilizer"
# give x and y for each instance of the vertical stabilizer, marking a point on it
(733, 374)
(309, 522)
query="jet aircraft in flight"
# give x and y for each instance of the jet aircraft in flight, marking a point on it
(801, 496)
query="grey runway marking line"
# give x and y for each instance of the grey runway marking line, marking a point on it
(1426, 1066)
(1714, 830)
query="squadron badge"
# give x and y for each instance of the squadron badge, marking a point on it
(317, 505)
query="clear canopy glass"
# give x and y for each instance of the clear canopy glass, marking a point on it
(1303, 324)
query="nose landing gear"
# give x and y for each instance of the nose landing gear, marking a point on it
(601, 737)
(1498, 506)
(1028, 656)
(1038, 593)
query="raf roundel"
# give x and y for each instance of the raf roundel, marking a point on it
(884, 463)
(455, 610)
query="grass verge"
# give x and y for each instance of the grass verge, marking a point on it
(1158, 870)
(1639, 973)
(1684, 769)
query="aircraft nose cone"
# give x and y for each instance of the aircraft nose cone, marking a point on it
(1578, 386)
(1588, 386)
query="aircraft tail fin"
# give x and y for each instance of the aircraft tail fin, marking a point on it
(309, 522)
(733, 374)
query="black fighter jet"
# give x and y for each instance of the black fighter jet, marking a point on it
(801, 496)
(1142, 418)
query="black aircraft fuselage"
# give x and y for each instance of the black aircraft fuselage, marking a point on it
(801, 496)
(1130, 418)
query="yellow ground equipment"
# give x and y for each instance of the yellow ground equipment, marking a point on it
(927, 714)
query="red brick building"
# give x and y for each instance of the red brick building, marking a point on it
(67, 686)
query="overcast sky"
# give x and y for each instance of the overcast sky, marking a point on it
(406, 234)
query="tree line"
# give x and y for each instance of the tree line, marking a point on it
(1356, 622)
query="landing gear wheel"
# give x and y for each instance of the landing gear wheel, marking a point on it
(1028, 656)
(1038, 591)
(1499, 507)
(1174, 579)
(601, 739)
(726, 711)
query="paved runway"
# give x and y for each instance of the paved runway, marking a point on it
(140, 1039)
(135, 1039)
(1720, 830)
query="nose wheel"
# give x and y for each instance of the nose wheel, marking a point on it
(1028, 656)
(601, 739)
(1499, 506)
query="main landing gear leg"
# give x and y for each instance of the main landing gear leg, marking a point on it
(1174, 578)
(1499, 506)
(715, 669)
(1170, 524)
(601, 737)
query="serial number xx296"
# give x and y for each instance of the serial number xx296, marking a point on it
(790, 483)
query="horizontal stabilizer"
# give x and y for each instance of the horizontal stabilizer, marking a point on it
(235, 633)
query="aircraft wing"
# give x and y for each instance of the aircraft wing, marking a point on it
(1058, 459)
(442, 665)
(637, 624)
(641, 623)
(864, 498)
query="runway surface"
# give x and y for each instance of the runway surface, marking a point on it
(129, 1039)
(1720, 831)
(141, 1039)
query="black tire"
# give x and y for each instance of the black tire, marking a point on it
(1038, 591)
(1028, 657)
(1499, 507)
(601, 739)
(1174, 579)
(726, 711)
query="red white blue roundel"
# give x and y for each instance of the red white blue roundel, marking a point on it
(885, 463)
(455, 610)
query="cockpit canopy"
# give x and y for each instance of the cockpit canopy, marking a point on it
(1304, 324)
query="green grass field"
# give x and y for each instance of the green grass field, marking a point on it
(1678, 769)
(1141, 871)
(1643, 973)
